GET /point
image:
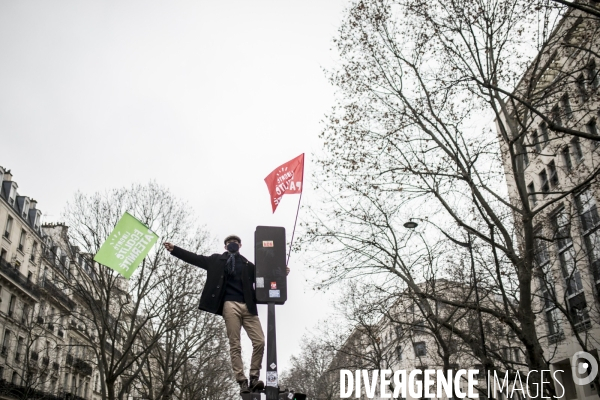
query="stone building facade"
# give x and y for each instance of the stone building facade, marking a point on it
(560, 171)
(46, 352)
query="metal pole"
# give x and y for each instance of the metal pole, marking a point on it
(272, 388)
(481, 331)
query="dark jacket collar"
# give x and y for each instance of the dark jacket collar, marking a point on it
(225, 256)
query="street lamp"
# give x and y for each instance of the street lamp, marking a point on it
(410, 224)
(469, 245)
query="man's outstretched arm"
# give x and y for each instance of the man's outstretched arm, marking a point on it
(187, 256)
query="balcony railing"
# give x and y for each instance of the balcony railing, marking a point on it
(71, 396)
(51, 289)
(82, 367)
(108, 347)
(556, 337)
(11, 272)
(11, 390)
(583, 326)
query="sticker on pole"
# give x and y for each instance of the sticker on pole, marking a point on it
(260, 282)
(126, 246)
(275, 293)
(272, 379)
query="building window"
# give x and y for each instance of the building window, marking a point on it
(25, 208)
(399, 331)
(9, 223)
(547, 288)
(540, 252)
(578, 311)
(564, 243)
(25, 314)
(591, 127)
(577, 149)
(22, 240)
(532, 198)
(536, 141)
(399, 353)
(593, 130)
(15, 378)
(588, 214)
(12, 194)
(553, 174)
(567, 158)
(580, 82)
(5, 343)
(11, 305)
(36, 223)
(588, 210)
(420, 349)
(592, 74)
(544, 185)
(555, 332)
(34, 249)
(544, 133)
(19, 351)
(556, 117)
(566, 105)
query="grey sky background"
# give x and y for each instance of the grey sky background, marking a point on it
(206, 98)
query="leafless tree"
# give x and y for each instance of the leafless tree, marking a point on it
(195, 341)
(420, 85)
(124, 321)
(313, 371)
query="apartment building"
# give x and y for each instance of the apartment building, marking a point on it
(405, 339)
(46, 347)
(559, 166)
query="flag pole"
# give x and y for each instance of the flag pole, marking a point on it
(297, 211)
(294, 230)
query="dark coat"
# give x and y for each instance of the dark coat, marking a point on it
(213, 294)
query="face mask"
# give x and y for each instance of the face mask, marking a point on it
(233, 247)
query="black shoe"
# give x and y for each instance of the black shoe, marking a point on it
(255, 384)
(244, 386)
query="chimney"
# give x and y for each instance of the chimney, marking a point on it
(32, 204)
(8, 175)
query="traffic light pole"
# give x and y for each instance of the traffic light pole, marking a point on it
(272, 388)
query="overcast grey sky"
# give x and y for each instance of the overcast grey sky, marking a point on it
(205, 97)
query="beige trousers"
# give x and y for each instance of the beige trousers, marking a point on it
(236, 316)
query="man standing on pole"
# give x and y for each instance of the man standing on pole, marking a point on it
(229, 291)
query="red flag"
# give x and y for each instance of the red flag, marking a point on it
(285, 179)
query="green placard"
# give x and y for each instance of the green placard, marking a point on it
(126, 246)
